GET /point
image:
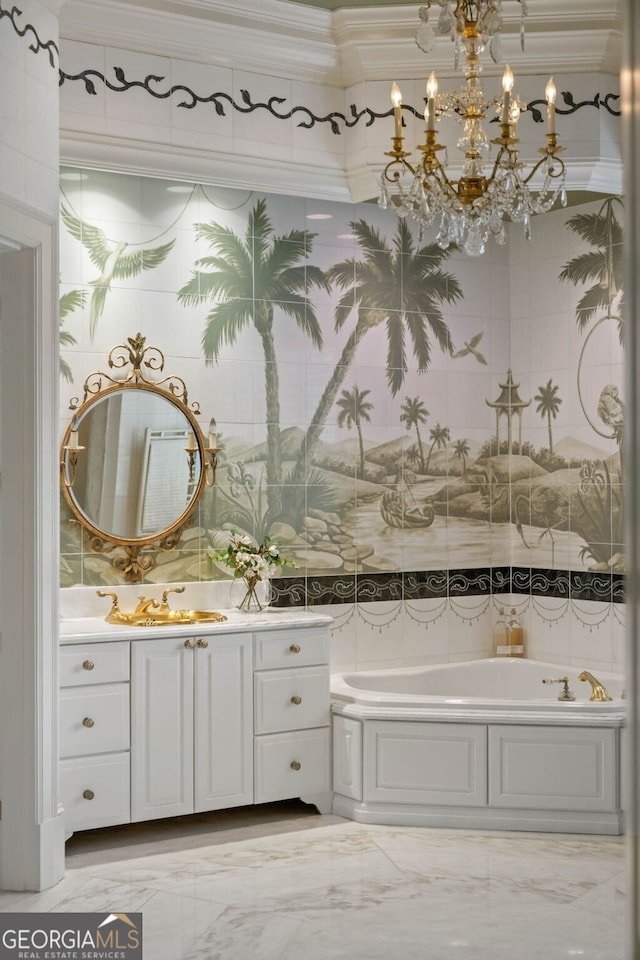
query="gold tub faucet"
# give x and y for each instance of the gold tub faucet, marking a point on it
(598, 691)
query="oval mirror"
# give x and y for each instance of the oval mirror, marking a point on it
(133, 463)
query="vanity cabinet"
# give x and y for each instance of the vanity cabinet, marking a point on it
(160, 725)
(291, 696)
(191, 725)
(94, 734)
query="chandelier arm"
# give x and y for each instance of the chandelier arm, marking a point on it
(395, 176)
(497, 162)
(553, 173)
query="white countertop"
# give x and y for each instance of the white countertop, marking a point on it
(96, 629)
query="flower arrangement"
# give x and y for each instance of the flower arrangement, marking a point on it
(251, 561)
(246, 558)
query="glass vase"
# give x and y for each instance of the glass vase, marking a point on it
(250, 593)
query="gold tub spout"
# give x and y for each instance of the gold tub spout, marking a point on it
(598, 691)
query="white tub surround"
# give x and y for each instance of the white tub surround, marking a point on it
(165, 721)
(478, 745)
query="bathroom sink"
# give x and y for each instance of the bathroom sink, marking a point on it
(150, 613)
(157, 618)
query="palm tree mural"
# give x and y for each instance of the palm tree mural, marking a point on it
(399, 285)
(548, 403)
(70, 301)
(412, 413)
(247, 278)
(603, 232)
(604, 265)
(439, 437)
(461, 451)
(354, 408)
(115, 260)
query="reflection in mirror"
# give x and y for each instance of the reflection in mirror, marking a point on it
(138, 466)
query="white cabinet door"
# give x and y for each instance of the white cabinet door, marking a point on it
(161, 728)
(223, 722)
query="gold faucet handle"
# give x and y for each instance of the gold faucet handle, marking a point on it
(165, 593)
(114, 599)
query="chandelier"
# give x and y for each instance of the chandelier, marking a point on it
(472, 209)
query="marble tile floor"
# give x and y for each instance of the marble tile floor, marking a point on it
(281, 882)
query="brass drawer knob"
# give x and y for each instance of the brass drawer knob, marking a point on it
(203, 644)
(88, 794)
(296, 700)
(295, 764)
(189, 644)
(88, 665)
(88, 722)
(294, 648)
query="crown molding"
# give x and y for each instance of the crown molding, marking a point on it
(263, 36)
(342, 48)
(102, 152)
(576, 36)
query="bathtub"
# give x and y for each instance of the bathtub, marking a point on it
(481, 744)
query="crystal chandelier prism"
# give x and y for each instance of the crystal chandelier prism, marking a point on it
(472, 209)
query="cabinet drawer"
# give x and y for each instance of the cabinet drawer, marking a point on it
(291, 765)
(291, 699)
(95, 791)
(85, 663)
(94, 719)
(291, 648)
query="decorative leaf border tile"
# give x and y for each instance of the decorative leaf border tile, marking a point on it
(276, 106)
(36, 45)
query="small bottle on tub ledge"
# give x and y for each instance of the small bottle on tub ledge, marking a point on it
(501, 647)
(515, 635)
(508, 635)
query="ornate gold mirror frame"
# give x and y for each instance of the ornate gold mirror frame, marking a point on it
(191, 467)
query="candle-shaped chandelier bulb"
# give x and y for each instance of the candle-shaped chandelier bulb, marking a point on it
(396, 100)
(432, 92)
(550, 96)
(507, 87)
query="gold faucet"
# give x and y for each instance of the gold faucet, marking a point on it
(115, 609)
(145, 604)
(598, 691)
(164, 604)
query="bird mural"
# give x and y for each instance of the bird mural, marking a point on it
(611, 411)
(470, 348)
(115, 261)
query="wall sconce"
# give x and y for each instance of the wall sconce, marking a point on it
(191, 450)
(71, 451)
(212, 453)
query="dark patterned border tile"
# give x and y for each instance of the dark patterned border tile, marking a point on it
(338, 589)
(468, 583)
(288, 592)
(378, 586)
(501, 580)
(550, 583)
(618, 588)
(585, 585)
(425, 584)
